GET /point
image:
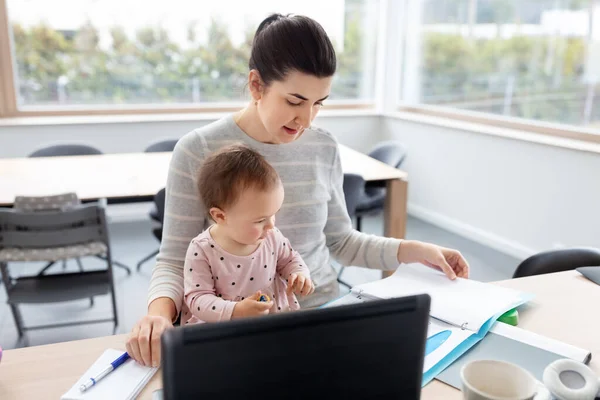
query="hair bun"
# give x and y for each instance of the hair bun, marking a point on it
(269, 20)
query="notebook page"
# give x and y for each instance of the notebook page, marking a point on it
(462, 302)
(123, 383)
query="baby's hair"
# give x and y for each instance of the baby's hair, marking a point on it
(226, 173)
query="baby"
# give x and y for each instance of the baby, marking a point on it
(242, 265)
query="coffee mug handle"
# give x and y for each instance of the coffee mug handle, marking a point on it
(542, 392)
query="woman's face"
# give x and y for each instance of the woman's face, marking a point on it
(287, 107)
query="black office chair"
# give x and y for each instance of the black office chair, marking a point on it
(354, 193)
(62, 150)
(159, 203)
(52, 236)
(163, 146)
(391, 153)
(158, 147)
(548, 262)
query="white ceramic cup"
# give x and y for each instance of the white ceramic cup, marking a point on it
(499, 380)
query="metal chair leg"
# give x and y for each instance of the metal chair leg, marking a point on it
(51, 263)
(112, 293)
(18, 319)
(149, 257)
(116, 263)
(80, 265)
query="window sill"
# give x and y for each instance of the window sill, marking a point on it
(508, 133)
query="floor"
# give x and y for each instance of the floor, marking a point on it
(133, 240)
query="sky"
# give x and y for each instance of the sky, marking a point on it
(174, 15)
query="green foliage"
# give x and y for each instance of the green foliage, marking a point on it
(540, 76)
(146, 68)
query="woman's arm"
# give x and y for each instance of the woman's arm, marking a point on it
(358, 249)
(163, 307)
(347, 245)
(184, 219)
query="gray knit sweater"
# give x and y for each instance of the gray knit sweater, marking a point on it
(313, 216)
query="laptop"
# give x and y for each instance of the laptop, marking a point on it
(369, 350)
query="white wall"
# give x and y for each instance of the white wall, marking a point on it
(515, 196)
(358, 132)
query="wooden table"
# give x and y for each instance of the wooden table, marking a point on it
(564, 309)
(132, 177)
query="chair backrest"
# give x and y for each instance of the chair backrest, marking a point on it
(46, 203)
(165, 145)
(354, 187)
(62, 150)
(29, 230)
(557, 261)
(391, 153)
(159, 202)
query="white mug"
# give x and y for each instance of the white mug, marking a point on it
(499, 380)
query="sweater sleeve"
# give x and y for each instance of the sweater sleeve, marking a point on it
(184, 219)
(288, 260)
(348, 246)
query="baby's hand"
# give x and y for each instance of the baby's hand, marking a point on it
(251, 307)
(300, 284)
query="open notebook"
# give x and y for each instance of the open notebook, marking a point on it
(462, 311)
(124, 383)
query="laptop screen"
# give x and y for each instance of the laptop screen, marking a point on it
(368, 350)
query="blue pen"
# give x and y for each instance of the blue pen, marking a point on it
(113, 365)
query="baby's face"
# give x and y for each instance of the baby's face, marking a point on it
(253, 215)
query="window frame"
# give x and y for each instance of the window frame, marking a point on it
(10, 109)
(517, 124)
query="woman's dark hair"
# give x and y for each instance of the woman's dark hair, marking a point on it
(285, 43)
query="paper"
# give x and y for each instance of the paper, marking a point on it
(463, 310)
(462, 302)
(343, 301)
(542, 342)
(123, 383)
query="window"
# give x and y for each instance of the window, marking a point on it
(115, 53)
(533, 59)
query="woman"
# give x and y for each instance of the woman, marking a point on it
(292, 64)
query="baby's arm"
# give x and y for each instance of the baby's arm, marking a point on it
(200, 295)
(291, 266)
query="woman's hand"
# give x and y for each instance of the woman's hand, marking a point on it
(143, 344)
(449, 261)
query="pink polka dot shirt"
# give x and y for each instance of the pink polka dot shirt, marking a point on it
(214, 280)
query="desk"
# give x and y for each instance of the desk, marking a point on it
(562, 309)
(133, 177)
(49, 371)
